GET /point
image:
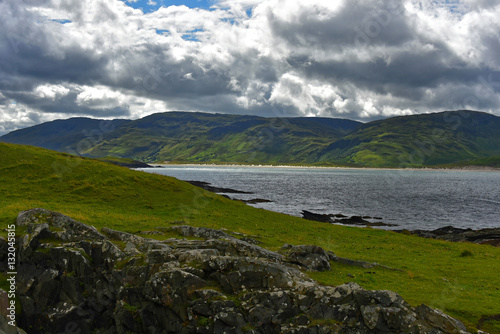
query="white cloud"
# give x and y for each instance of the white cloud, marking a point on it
(15, 116)
(51, 92)
(363, 60)
(101, 97)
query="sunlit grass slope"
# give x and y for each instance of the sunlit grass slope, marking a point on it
(102, 194)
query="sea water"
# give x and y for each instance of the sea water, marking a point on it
(412, 199)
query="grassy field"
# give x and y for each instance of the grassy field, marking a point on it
(101, 194)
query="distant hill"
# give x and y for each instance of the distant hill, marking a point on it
(193, 137)
(419, 140)
(407, 141)
(70, 135)
(198, 137)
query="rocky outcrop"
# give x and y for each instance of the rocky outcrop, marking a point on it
(308, 256)
(73, 277)
(487, 236)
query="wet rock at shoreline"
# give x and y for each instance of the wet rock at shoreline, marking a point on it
(342, 219)
(218, 190)
(254, 201)
(207, 186)
(318, 217)
(487, 236)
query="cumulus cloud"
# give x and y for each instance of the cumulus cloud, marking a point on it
(363, 59)
(51, 92)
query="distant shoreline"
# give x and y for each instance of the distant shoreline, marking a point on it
(457, 169)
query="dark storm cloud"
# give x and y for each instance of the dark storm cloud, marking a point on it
(353, 25)
(406, 69)
(356, 59)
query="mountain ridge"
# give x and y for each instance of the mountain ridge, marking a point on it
(61, 135)
(192, 137)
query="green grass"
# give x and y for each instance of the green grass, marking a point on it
(104, 195)
(493, 162)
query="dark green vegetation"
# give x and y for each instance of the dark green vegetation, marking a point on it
(64, 135)
(182, 137)
(421, 140)
(125, 162)
(101, 194)
(492, 162)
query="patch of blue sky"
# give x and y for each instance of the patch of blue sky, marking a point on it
(148, 6)
(454, 6)
(192, 35)
(162, 32)
(62, 21)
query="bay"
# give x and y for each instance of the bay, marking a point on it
(412, 199)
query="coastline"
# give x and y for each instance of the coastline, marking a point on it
(456, 169)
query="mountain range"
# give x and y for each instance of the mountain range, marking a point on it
(188, 137)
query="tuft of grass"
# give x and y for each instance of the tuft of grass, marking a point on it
(466, 253)
(104, 195)
(204, 321)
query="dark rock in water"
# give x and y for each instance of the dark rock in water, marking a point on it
(255, 201)
(207, 186)
(375, 224)
(317, 217)
(331, 218)
(354, 220)
(250, 201)
(70, 274)
(490, 236)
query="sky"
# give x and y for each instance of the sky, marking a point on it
(356, 59)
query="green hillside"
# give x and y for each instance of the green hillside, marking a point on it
(104, 195)
(197, 137)
(185, 137)
(421, 140)
(72, 135)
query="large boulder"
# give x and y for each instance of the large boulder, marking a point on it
(309, 257)
(437, 319)
(64, 227)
